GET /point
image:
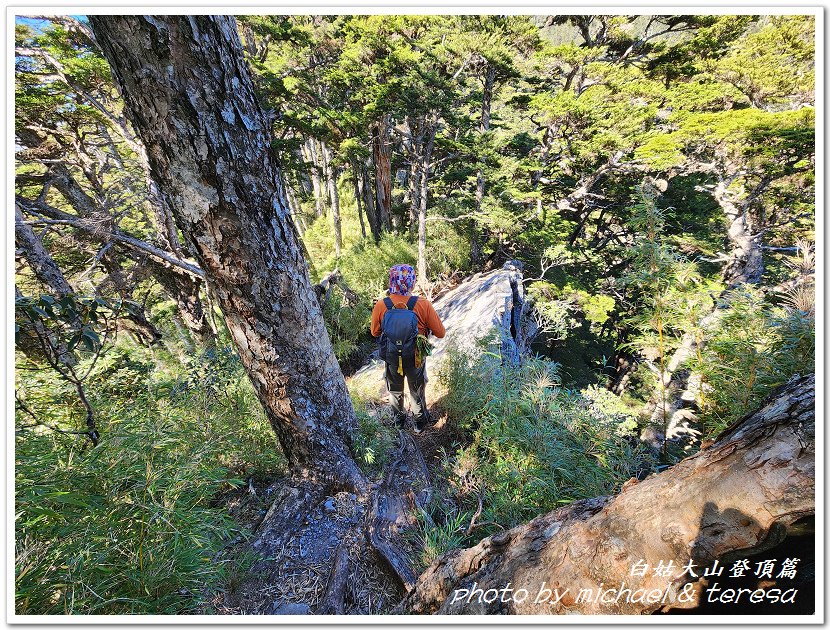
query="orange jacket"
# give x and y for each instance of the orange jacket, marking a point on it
(428, 319)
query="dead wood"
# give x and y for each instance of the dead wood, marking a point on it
(737, 496)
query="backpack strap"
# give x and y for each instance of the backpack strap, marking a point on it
(410, 303)
(389, 304)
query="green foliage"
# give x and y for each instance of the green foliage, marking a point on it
(448, 251)
(667, 295)
(582, 104)
(536, 445)
(441, 529)
(61, 324)
(376, 435)
(754, 63)
(375, 439)
(129, 527)
(754, 348)
(365, 266)
(562, 309)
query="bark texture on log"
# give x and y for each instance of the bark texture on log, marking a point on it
(189, 94)
(730, 500)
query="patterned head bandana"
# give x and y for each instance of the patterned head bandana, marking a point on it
(401, 279)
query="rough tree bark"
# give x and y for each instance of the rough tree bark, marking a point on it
(189, 94)
(732, 499)
(382, 156)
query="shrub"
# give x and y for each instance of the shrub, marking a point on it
(754, 348)
(535, 445)
(376, 434)
(129, 527)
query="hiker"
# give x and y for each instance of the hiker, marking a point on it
(398, 319)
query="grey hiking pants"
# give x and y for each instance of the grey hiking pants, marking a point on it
(416, 377)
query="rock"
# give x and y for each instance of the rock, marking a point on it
(289, 608)
(480, 304)
(330, 506)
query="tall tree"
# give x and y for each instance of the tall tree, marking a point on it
(188, 92)
(81, 155)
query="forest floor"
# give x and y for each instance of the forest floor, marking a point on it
(294, 581)
(269, 574)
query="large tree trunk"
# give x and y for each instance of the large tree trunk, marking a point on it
(369, 202)
(312, 158)
(189, 95)
(359, 201)
(293, 205)
(416, 141)
(745, 263)
(731, 500)
(382, 155)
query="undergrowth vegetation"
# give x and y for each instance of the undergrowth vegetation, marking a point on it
(535, 445)
(365, 267)
(129, 526)
(755, 347)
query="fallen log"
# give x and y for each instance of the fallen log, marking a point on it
(730, 500)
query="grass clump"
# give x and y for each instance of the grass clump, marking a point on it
(131, 526)
(535, 446)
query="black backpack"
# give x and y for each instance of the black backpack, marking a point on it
(399, 332)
